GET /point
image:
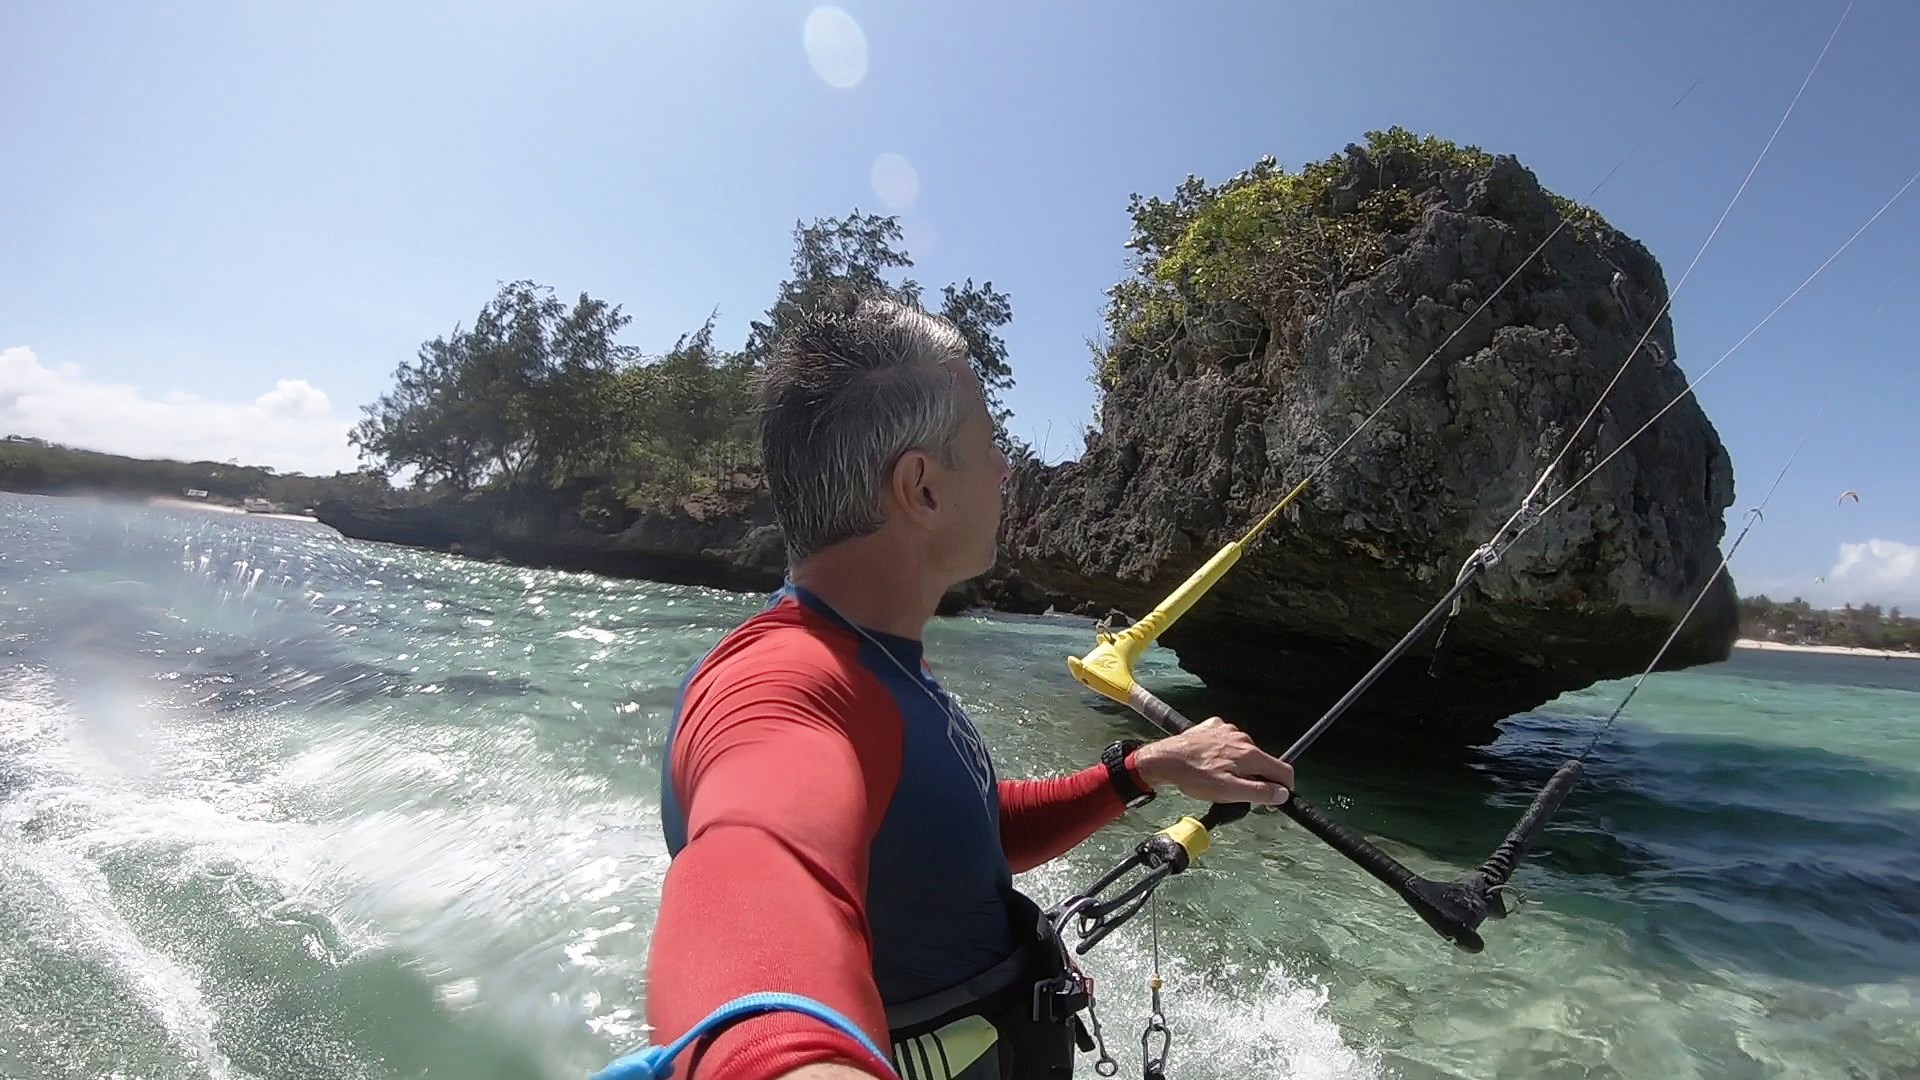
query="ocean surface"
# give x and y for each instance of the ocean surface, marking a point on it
(278, 805)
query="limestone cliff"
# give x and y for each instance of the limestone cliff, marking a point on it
(1274, 314)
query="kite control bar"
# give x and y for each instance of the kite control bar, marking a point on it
(1454, 910)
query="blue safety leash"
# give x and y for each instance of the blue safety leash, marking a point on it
(656, 1062)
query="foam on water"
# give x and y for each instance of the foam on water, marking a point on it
(1243, 1017)
(79, 914)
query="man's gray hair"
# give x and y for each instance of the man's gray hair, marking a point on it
(856, 384)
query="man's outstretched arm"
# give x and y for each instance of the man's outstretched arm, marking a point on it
(782, 801)
(1041, 820)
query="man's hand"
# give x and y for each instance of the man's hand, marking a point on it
(1216, 762)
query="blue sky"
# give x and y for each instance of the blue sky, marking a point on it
(224, 224)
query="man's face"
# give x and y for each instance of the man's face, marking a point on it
(970, 518)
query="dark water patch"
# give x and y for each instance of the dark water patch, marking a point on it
(15, 776)
(1834, 921)
(1791, 862)
(485, 686)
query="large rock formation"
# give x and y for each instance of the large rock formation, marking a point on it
(1216, 405)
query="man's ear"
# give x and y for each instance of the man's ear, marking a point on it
(911, 487)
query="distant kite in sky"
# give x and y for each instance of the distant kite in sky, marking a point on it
(1845, 495)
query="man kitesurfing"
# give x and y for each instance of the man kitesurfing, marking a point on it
(815, 768)
(838, 832)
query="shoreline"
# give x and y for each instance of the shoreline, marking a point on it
(1831, 650)
(177, 503)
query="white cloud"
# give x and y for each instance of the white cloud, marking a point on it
(1877, 571)
(291, 427)
(295, 399)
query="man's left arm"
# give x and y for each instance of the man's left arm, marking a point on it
(1041, 820)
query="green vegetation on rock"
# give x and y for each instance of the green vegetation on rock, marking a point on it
(1282, 243)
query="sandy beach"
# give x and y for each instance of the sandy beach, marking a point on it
(1836, 650)
(220, 508)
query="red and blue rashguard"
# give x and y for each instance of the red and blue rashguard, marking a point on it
(838, 831)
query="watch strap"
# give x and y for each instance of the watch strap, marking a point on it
(1117, 757)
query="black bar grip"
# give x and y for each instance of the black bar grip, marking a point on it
(1223, 813)
(1168, 719)
(1453, 911)
(1498, 868)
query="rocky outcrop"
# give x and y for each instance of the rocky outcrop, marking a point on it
(723, 540)
(1006, 589)
(1208, 420)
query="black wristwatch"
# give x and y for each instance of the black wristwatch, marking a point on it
(1114, 757)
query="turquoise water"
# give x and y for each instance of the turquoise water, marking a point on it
(273, 804)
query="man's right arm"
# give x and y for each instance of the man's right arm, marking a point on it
(782, 798)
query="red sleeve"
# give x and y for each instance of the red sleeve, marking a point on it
(784, 776)
(1041, 820)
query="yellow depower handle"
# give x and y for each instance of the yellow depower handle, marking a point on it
(1108, 669)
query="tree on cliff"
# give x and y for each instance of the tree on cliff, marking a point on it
(530, 394)
(692, 417)
(537, 395)
(857, 252)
